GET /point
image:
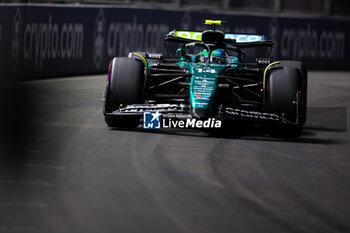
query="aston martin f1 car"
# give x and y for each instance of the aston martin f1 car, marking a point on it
(208, 76)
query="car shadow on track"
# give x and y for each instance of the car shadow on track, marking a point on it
(319, 121)
(309, 135)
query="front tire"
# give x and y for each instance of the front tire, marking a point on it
(124, 86)
(286, 97)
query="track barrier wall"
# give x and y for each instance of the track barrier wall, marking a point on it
(52, 40)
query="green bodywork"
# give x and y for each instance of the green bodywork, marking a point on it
(205, 75)
(204, 81)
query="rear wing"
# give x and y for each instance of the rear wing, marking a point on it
(238, 40)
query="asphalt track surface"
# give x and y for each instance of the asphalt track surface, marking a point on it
(65, 171)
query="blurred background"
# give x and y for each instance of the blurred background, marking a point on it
(62, 170)
(39, 38)
(316, 7)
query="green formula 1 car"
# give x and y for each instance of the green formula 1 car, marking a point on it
(207, 76)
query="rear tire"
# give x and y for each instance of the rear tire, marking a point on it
(125, 86)
(286, 97)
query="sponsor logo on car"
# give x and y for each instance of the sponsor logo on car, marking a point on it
(252, 114)
(263, 61)
(201, 96)
(240, 38)
(189, 35)
(200, 70)
(154, 55)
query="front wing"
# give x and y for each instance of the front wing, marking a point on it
(183, 111)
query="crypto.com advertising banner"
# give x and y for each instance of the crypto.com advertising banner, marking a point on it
(41, 41)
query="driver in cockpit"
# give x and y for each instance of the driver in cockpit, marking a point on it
(218, 56)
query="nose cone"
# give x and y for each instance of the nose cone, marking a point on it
(199, 113)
